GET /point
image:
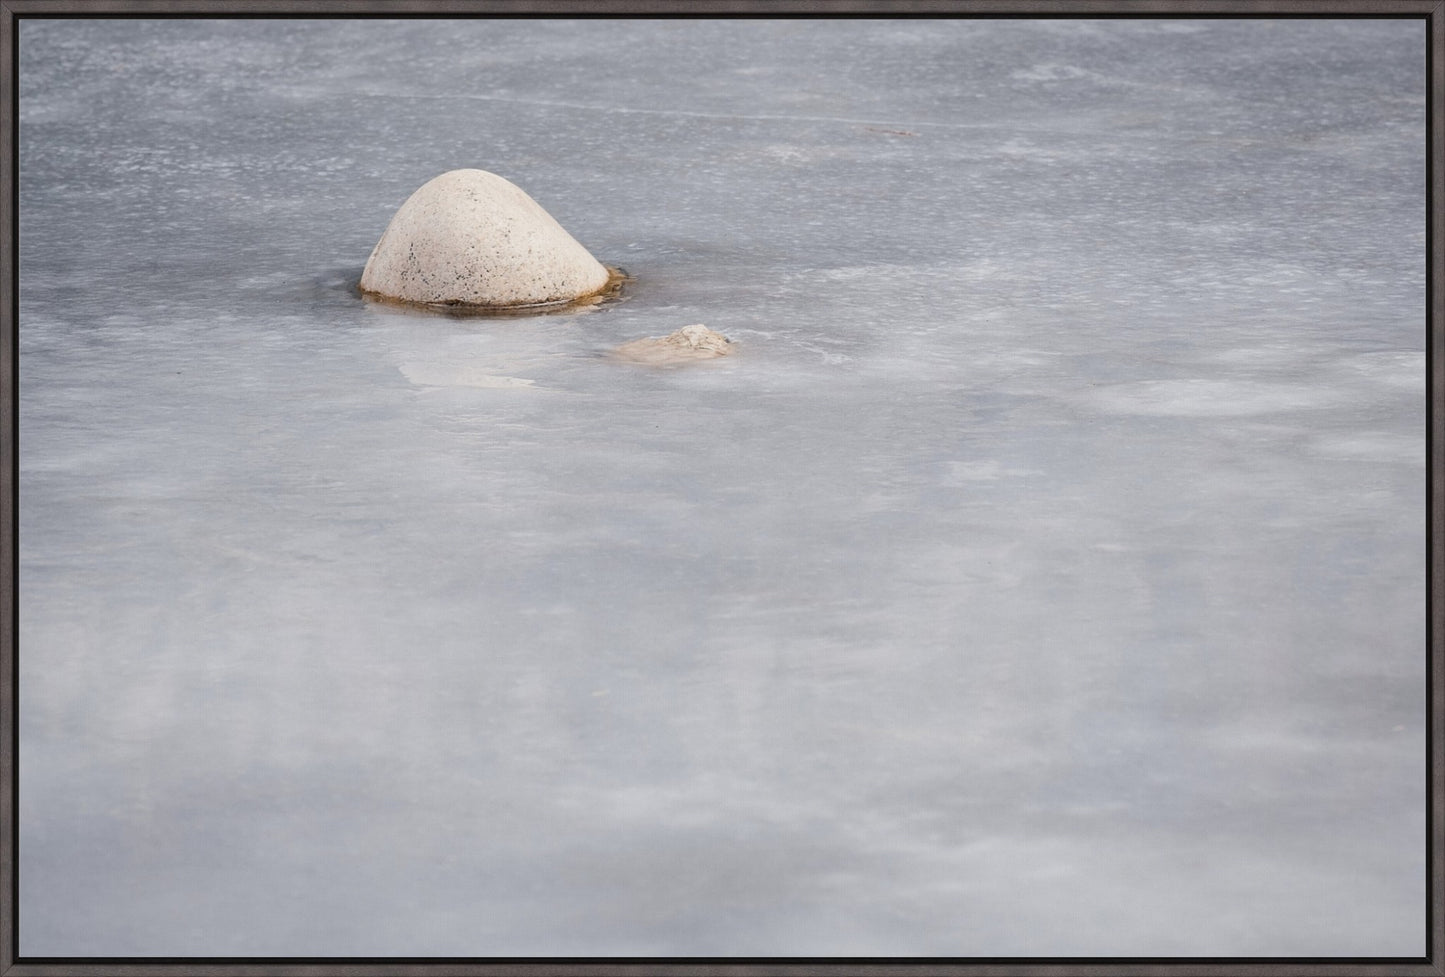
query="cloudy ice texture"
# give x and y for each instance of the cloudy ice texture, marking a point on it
(1043, 574)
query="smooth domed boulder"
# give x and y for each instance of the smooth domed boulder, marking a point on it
(471, 238)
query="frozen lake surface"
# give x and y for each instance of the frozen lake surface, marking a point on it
(1044, 575)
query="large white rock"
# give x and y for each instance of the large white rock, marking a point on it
(470, 237)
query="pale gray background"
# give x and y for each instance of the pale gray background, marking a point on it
(1043, 576)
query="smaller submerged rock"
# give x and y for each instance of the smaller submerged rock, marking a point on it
(472, 239)
(695, 342)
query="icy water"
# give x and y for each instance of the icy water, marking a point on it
(1044, 575)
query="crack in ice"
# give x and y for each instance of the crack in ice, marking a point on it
(686, 113)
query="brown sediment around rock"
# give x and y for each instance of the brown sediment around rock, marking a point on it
(612, 291)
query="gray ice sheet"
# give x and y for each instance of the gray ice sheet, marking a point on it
(1043, 576)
